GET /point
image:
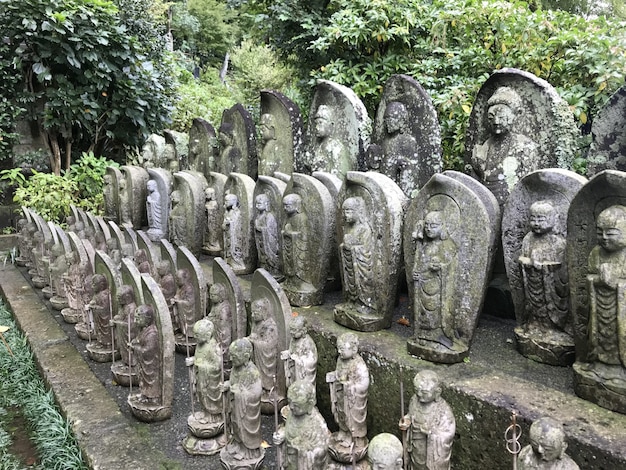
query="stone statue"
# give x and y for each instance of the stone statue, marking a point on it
(301, 357)
(385, 452)
(212, 243)
(142, 262)
(109, 193)
(124, 208)
(356, 252)
(270, 153)
(295, 244)
(331, 154)
(167, 283)
(154, 208)
(264, 338)
(304, 437)
(58, 268)
(544, 277)
(547, 448)
(125, 333)
(606, 282)
(267, 237)
(243, 450)
(233, 232)
(100, 307)
(221, 316)
(349, 385)
(207, 422)
(399, 147)
(184, 307)
(230, 156)
(505, 156)
(430, 425)
(177, 220)
(147, 349)
(72, 280)
(433, 274)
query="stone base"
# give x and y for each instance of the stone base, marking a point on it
(39, 281)
(360, 465)
(148, 412)
(84, 332)
(212, 250)
(196, 446)
(203, 425)
(350, 317)
(58, 303)
(185, 345)
(123, 375)
(556, 348)
(71, 316)
(342, 451)
(32, 272)
(304, 298)
(436, 352)
(601, 384)
(21, 261)
(231, 462)
(101, 353)
(48, 292)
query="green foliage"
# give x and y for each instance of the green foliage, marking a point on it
(88, 79)
(218, 30)
(52, 195)
(22, 388)
(452, 46)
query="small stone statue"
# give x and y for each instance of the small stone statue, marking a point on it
(184, 307)
(167, 283)
(349, 385)
(267, 237)
(212, 243)
(100, 306)
(177, 220)
(58, 268)
(125, 371)
(301, 357)
(430, 425)
(547, 448)
(109, 193)
(243, 451)
(544, 278)
(154, 208)
(233, 233)
(208, 422)
(433, 275)
(264, 338)
(356, 253)
(142, 262)
(399, 147)
(146, 347)
(73, 281)
(385, 452)
(607, 290)
(331, 154)
(124, 208)
(295, 244)
(221, 316)
(303, 440)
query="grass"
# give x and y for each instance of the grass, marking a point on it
(21, 388)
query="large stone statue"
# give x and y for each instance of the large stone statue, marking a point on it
(301, 357)
(267, 237)
(349, 384)
(356, 253)
(264, 338)
(146, 346)
(399, 148)
(303, 440)
(243, 451)
(213, 233)
(546, 450)
(221, 317)
(100, 306)
(154, 208)
(430, 425)
(385, 452)
(207, 424)
(433, 273)
(331, 153)
(233, 232)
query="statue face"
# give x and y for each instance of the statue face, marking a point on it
(300, 405)
(349, 215)
(261, 203)
(323, 127)
(393, 120)
(548, 446)
(238, 356)
(297, 331)
(432, 226)
(230, 201)
(290, 206)
(141, 318)
(267, 128)
(610, 238)
(209, 194)
(151, 186)
(426, 389)
(258, 311)
(215, 294)
(346, 349)
(500, 118)
(540, 222)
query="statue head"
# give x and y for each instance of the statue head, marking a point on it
(226, 134)
(175, 197)
(301, 397)
(433, 226)
(268, 128)
(347, 345)
(217, 293)
(126, 295)
(240, 352)
(262, 202)
(385, 452)
(611, 228)
(323, 124)
(547, 439)
(163, 267)
(542, 217)
(151, 186)
(57, 250)
(260, 309)
(292, 203)
(395, 117)
(353, 209)
(298, 327)
(144, 315)
(209, 194)
(99, 282)
(203, 330)
(231, 201)
(427, 386)
(502, 109)
(182, 277)
(107, 180)
(70, 220)
(112, 244)
(140, 256)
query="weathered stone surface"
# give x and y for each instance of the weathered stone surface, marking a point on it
(238, 224)
(237, 139)
(110, 192)
(608, 147)
(370, 250)
(406, 137)
(448, 247)
(338, 131)
(268, 221)
(596, 261)
(214, 214)
(132, 196)
(187, 215)
(203, 149)
(281, 134)
(534, 227)
(530, 128)
(159, 188)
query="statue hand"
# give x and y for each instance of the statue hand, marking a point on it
(284, 355)
(189, 361)
(605, 274)
(435, 266)
(278, 438)
(404, 423)
(225, 386)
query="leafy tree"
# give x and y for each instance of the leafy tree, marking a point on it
(94, 76)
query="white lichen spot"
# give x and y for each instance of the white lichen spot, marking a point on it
(469, 417)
